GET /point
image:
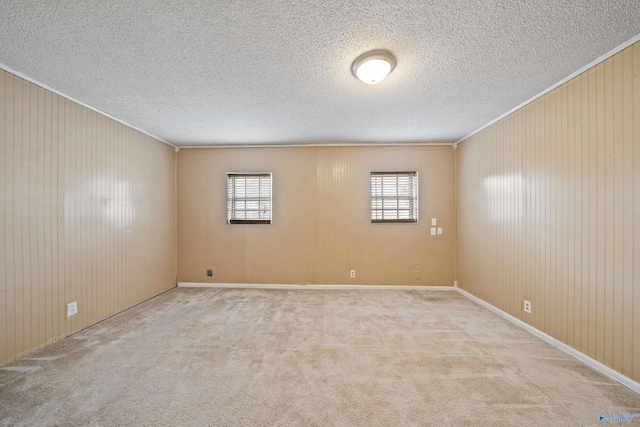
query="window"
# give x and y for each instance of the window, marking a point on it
(249, 198)
(394, 197)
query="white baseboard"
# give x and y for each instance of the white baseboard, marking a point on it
(315, 287)
(614, 375)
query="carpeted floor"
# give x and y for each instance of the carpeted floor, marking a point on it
(306, 357)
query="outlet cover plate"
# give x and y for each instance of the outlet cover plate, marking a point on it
(527, 306)
(72, 308)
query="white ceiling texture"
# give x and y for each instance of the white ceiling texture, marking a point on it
(213, 72)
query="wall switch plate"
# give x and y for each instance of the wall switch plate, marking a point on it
(72, 308)
(353, 273)
(527, 306)
(209, 271)
(433, 231)
(433, 221)
(439, 231)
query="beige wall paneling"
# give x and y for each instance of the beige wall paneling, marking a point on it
(23, 184)
(195, 216)
(548, 202)
(286, 241)
(6, 236)
(282, 252)
(88, 215)
(634, 152)
(321, 227)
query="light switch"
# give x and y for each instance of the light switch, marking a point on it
(433, 231)
(433, 221)
(439, 231)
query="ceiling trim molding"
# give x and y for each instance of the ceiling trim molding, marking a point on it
(337, 144)
(77, 101)
(592, 64)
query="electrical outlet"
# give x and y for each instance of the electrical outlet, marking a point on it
(455, 283)
(353, 274)
(72, 308)
(527, 306)
(210, 272)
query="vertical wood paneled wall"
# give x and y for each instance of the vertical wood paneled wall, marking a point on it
(87, 214)
(548, 203)
(321, 218)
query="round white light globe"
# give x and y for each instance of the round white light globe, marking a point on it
(373, 71)
(373, 66)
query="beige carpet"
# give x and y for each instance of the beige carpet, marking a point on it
(327, 358)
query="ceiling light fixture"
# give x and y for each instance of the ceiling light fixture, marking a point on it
(372, 67)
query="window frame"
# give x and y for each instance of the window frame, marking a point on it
(416, 197)
(231, 200)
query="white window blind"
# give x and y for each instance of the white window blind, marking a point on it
(249, 198)
(394, 197)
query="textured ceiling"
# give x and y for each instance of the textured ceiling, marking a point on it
(253, 72)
